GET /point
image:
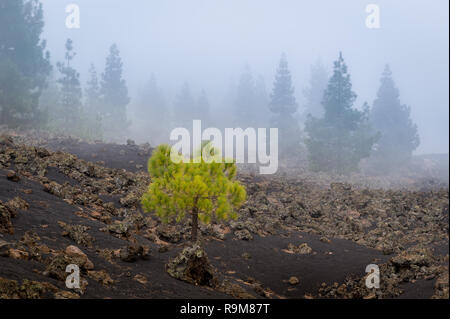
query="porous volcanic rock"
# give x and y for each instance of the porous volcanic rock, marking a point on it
(192, 265)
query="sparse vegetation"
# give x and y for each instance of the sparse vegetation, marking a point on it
(198, 189)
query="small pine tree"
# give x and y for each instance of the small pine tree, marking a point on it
(200, 190)
(399, 136)
(337, 142)
(284, 106)
(71, 94)
(114, 92)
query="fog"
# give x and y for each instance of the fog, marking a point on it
(208, 43)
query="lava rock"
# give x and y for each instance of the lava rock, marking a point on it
(13, 176)
(192, 265)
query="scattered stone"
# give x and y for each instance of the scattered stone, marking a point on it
(77, 253)
(302, 249)
(243, 234)
(169, 233)
(441, 286)
(11, 289)
(133, 252)
(4, 248)
(192, 265)
(78, 233)
(13, 176)
(163, 248)
(121, 229)
(6, 214)
(130, 200)
(18, 254)
(246, 256)
(18, 203)
(64, 294)
(101, 276)
(415, 257)
(294, 281)
(141, 279)
(234, 290)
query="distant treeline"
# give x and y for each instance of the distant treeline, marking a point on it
(335, 133)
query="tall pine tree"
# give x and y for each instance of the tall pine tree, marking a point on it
(71, 94)
(152, 104)
(245, 100)
(399, 136)
(342, 137)
(93, 127)
(24, 62)
(184, 108)
(262, 115)
(115, 97)
(315, 91)
(283, 105)
(151, 113)
(92, 92)
(203, 109)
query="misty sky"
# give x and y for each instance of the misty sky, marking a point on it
(208, 42)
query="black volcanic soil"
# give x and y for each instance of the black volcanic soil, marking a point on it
(257, 259)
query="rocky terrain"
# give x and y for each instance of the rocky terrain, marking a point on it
(65, 201)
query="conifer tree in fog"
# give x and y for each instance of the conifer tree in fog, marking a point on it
(152, 104)
(283, 106)
(184, 108)
(49, 102)
(70, 90)
(93, 105)
(342, 137)
(250, 101)
(314, 92)
(245, 100)
(114, 93)
(24, 62)
(261, 102)
(93, 98)
(399, 136)
(151, 112)
(203, 109)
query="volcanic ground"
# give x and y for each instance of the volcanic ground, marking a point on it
(67, 201)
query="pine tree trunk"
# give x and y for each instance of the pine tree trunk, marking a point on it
(194, 225)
